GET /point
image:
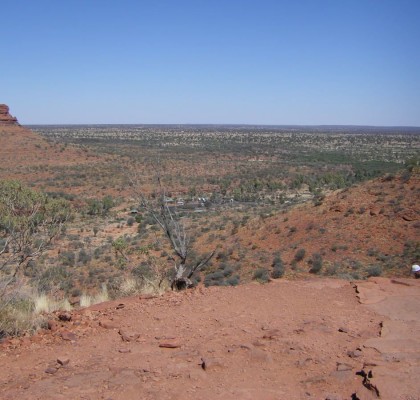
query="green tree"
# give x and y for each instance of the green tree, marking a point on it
(29, 221)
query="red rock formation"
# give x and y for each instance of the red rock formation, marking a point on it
(5, 117)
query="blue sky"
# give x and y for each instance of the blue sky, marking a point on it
(211, 61)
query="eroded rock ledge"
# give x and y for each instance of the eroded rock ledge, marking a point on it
(5, 117)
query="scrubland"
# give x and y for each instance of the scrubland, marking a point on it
(273, 202)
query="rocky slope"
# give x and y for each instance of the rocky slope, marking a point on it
(29, 157)
(373, 225)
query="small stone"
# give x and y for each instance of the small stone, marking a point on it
(169, 345)
(125, 338)
(124, 350)
(209, 364)
(108, 325)
(342, 329)
(51, 370)
(70, 336)
(271, 334)
(52, 325)
(409, 216)
(128, 337)
(65, 316)
(344, 367)
(63, 361)
(165, 337)
(120, 306)
(354, 353)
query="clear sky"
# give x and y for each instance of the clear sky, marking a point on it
(300, 62)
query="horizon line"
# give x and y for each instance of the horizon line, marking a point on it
(228, 124)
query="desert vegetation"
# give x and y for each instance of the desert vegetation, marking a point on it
(258, 203)
(29, 222)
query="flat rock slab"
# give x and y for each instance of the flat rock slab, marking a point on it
(396, 365)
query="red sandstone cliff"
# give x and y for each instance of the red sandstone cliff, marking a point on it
(5, 117)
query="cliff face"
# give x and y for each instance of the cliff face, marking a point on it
(5, 117)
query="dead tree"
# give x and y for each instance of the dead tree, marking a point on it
(174, 230)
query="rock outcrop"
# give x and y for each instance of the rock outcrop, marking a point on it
(5, 117)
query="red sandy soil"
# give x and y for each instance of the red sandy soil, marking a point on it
(282, 340)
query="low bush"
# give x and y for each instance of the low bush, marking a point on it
(68, 258)
(278, 267)
(233, 280)
(374, 270)
(130, 221)
(299, 255)
(316, 263)
(261, 275)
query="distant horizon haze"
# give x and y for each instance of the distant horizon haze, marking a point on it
(345, 128)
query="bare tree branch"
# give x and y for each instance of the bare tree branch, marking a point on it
(172, 227)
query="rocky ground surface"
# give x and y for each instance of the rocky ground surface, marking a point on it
(395, 365)
(313, 339)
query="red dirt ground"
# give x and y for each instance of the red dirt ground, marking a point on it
(283, 340)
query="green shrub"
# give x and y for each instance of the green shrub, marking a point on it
(196, 279)
(374, 270)
(84, 257)
(214, 279)
(332, 269)
(278, 267)
(130, 221)
(299, 255)
(233, 280)
(68, 258)
(54, 277)
(261, 275)
(316, 263)
(143, 271)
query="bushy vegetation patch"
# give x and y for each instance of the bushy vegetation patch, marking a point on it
(261, 275)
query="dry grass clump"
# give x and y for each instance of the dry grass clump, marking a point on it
(23, 311)
(18, 318)
(45, 304)
(87, 300)
(129, 286)
(132, 286)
